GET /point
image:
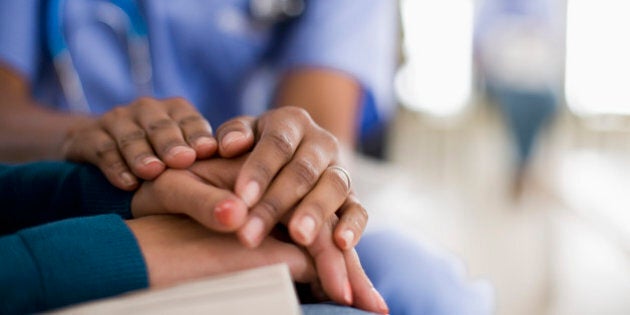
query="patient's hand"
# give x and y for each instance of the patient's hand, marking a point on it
(177, 249)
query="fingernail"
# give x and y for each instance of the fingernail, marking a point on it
(222, 212)
(151, 159)
(382, 306)
(202, 141)
(348, 238)
(250, 193)
(230, 138)
(176, 150)
(253, 230)
(128, 179)
(306, 228)
(347, 293)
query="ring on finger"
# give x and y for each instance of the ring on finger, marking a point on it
(344, 172)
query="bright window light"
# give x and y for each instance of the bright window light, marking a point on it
(598, 57)
(436, 77)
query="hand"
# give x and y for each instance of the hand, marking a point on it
(177, 249)
(124, 142)
(290, 167)
(204, 193)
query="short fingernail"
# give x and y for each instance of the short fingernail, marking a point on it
(204, 141)
(151, 159)
(177, 150)
(382, 306)
(250, 193)
(128, 179)
(253, 230)
(348, 238)
(230, 138)
(306, 228)
(222, 212)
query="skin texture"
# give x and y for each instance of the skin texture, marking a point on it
(202, 191)
(142, 139)
(289, 168)
(147, 138)
(177, 249)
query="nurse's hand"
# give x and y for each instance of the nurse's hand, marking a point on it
(293, 165)
(141, 139)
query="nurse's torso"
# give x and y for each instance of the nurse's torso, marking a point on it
(203, 51)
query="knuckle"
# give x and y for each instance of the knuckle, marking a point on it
(160, 124)
(193, 119)
(270, 210)
(104, 148)
(263, 172)
(179, 101)
(282, 143)
(114, 167)
(113, 115)
(130, 138)
(331, 142)
(144, 101)
(356, 219)
(299, 113)
(306, 173)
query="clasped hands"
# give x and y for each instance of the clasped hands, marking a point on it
(256, 173)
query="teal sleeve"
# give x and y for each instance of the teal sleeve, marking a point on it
(42, 192)
(67, 262)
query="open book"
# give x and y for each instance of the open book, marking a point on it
(265, 290)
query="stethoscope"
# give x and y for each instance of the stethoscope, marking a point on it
(124, 17)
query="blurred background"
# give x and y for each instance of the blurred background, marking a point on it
(511, 147)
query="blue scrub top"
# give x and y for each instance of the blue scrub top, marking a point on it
(209, 52)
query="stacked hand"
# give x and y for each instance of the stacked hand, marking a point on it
(290, 175)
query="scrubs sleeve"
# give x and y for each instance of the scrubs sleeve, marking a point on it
(355, 37)
(20, 38)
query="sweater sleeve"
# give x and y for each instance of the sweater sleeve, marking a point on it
(67, 262)
(42, 192)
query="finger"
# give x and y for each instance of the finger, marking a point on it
(290, 186)
(196, 129)
(164, 133)
(218, 172)
(320, 203)
(215, 208)
(299, 261)
(236, 136)
(366, 297)
(132, 143)
(99, 148)
(278, 142)
(353, 219)
(331, 265)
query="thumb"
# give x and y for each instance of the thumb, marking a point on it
(182, 192)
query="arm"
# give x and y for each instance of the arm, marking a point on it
(123, 142)
(53, 265)
(29, 131)
(330, 97)
(41, 192)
